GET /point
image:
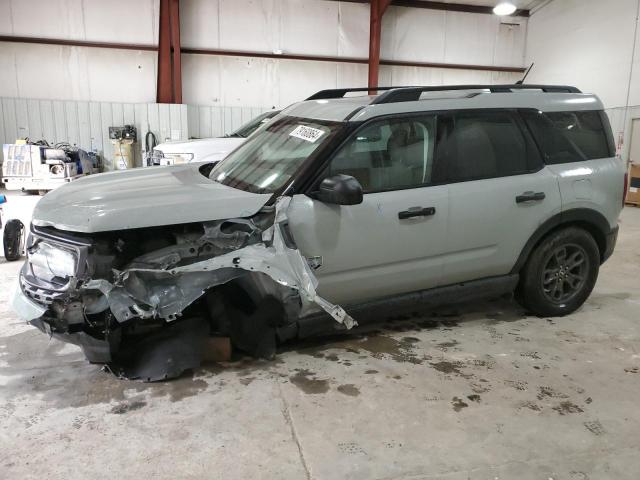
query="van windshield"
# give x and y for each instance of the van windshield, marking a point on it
(270, 157)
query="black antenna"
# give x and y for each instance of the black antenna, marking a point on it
(520, 82)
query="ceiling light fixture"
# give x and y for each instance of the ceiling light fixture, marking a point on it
(504, 8)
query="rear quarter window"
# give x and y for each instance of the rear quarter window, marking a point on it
(566, 137)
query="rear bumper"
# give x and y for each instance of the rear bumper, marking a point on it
(610, 243)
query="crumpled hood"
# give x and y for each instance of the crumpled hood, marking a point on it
(143, 197)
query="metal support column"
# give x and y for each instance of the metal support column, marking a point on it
(377, 9)
(169, 87)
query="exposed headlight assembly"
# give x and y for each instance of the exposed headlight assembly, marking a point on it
(51, 263)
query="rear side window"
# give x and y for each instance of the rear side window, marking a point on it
(475, 145)
(567, 137)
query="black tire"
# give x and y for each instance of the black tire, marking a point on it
(560, 273)
(12, 240)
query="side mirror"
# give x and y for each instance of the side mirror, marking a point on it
(340, 190)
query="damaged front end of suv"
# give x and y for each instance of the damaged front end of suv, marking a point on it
(142, 268)
(145, 301)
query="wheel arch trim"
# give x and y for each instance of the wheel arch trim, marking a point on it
(592, 221)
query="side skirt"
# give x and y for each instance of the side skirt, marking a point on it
(375, 311)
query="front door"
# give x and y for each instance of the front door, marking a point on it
(392, 242)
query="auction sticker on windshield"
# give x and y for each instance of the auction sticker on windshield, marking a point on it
(309, 134)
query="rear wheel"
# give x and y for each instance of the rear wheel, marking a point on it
(560, 273)
(12, 240)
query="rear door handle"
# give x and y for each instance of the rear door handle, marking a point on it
(416, 212)
(530, 197)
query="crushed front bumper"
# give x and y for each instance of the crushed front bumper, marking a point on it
(96, 350)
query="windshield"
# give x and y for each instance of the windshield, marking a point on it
(266, 162)
(248, 128)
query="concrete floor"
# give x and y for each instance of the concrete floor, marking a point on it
(481, 391)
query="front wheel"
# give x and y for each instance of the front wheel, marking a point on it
(560, 273)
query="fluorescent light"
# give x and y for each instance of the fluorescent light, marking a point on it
(504, 8)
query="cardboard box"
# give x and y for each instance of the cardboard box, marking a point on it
(633, 193)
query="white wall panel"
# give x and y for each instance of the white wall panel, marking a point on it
(351, 75)
(634, 93)
(248, 24)
(585, 43)
(77, 73)
(303, 79)
(471, 39)
(8, 79)
(200, 23)
(124, 21)
(248, 81)
(309, 28)
(53, 18)
(6, 26)
(353, 30)
(510, 43)
(413, 35)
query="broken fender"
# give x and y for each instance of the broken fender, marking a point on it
(167, 290)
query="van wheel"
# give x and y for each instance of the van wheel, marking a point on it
(560, 273)
(12, 240)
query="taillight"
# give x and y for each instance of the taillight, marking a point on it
(626, 187)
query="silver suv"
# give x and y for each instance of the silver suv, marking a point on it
(373, 202)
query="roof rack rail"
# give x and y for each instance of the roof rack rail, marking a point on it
(341, 92)
(410, 94)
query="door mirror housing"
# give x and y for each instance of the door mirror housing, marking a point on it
(340, 190)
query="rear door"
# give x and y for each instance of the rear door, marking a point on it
(392, 242)
(499, 191)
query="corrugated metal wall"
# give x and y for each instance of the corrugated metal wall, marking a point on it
(86, 124)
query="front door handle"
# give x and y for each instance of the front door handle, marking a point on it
(530, 197)
(416, 212)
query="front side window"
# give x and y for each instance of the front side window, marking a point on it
(475, 145)
(270, 158)
(389, 154)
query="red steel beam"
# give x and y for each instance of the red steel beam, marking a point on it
(176, 71)
(365, 61)
(76, 43)
(238, 53)
(164, 91)
(169, 52)
(377, 9)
